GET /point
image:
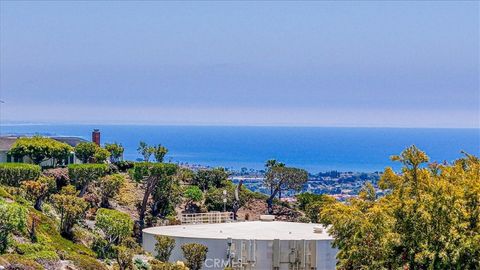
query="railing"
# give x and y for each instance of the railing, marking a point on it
(209, 217)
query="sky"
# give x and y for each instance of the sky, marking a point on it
(359, 64)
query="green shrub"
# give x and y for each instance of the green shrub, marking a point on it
(125, 165)
(140, 264)
(47, 255)
(214, 197)
(40, 149)
(158, 265)
(103, 249)
(85, 262)
(13, 218)
(193, 193)
(5, 194)
(115, 225)
(82, 175)
(195, 254)
(109, 187)
(89, 151)
(27, 248)
(207, 178)
(16, 261)
(11, 174)
(164, 247)
(124, 257)
(70, 207)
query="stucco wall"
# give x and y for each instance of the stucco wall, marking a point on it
(217, 252)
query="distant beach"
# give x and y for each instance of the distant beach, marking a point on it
(313, 148)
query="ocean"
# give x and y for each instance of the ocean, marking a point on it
(312, 148)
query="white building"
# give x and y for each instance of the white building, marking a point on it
(253, 245)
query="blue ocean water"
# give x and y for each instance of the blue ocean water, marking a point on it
(312, 148)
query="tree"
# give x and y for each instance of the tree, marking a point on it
(165, 197)
(116, 151)
(90, 152)
(362, 231)
(70, 207)
(109, 187)
(164, 247)
(145, 150)
(214, 198)
(207, 178)
(39, 189)
(159, 152)
(12, 174)
(85, 151)
(101, 155)
(283, 178)
(39, 149)
(429, 219)
(269, 165)
(84, 174)
(60, 153)
(312, 204)
(13, 218)
(195, 254)
(114, 224)
(185, 176)
(124, 257)
(193, 194)
(150, 175)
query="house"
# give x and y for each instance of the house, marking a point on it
(6, 143)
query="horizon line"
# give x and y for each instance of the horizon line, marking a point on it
(114, 123)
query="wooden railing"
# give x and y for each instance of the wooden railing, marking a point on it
(209, 217)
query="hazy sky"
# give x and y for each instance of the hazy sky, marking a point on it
(406, 64)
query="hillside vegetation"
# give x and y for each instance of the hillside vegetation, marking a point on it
(90, 216)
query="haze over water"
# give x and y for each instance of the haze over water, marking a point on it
(313, 148)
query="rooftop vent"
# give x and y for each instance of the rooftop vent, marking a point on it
(318, 229)
(267, 218)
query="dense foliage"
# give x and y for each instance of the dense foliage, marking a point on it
(279, 177)
(154, 177)
(39, 189)
(208, 178)
(13, 217)
(70, 207)
(40, 149)
(429, 220)
(83, 174)
(312, 204)
(146, 151)
(195, 255)
(159, 152)
(116, 151)
(214, 197)
(192, 195)
(109, 187)
(91, 152)
(12, 174)
(164, 247)
(114, 224)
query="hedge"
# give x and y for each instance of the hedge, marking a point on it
(12, 174)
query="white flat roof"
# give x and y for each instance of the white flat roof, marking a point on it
(260, 230)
